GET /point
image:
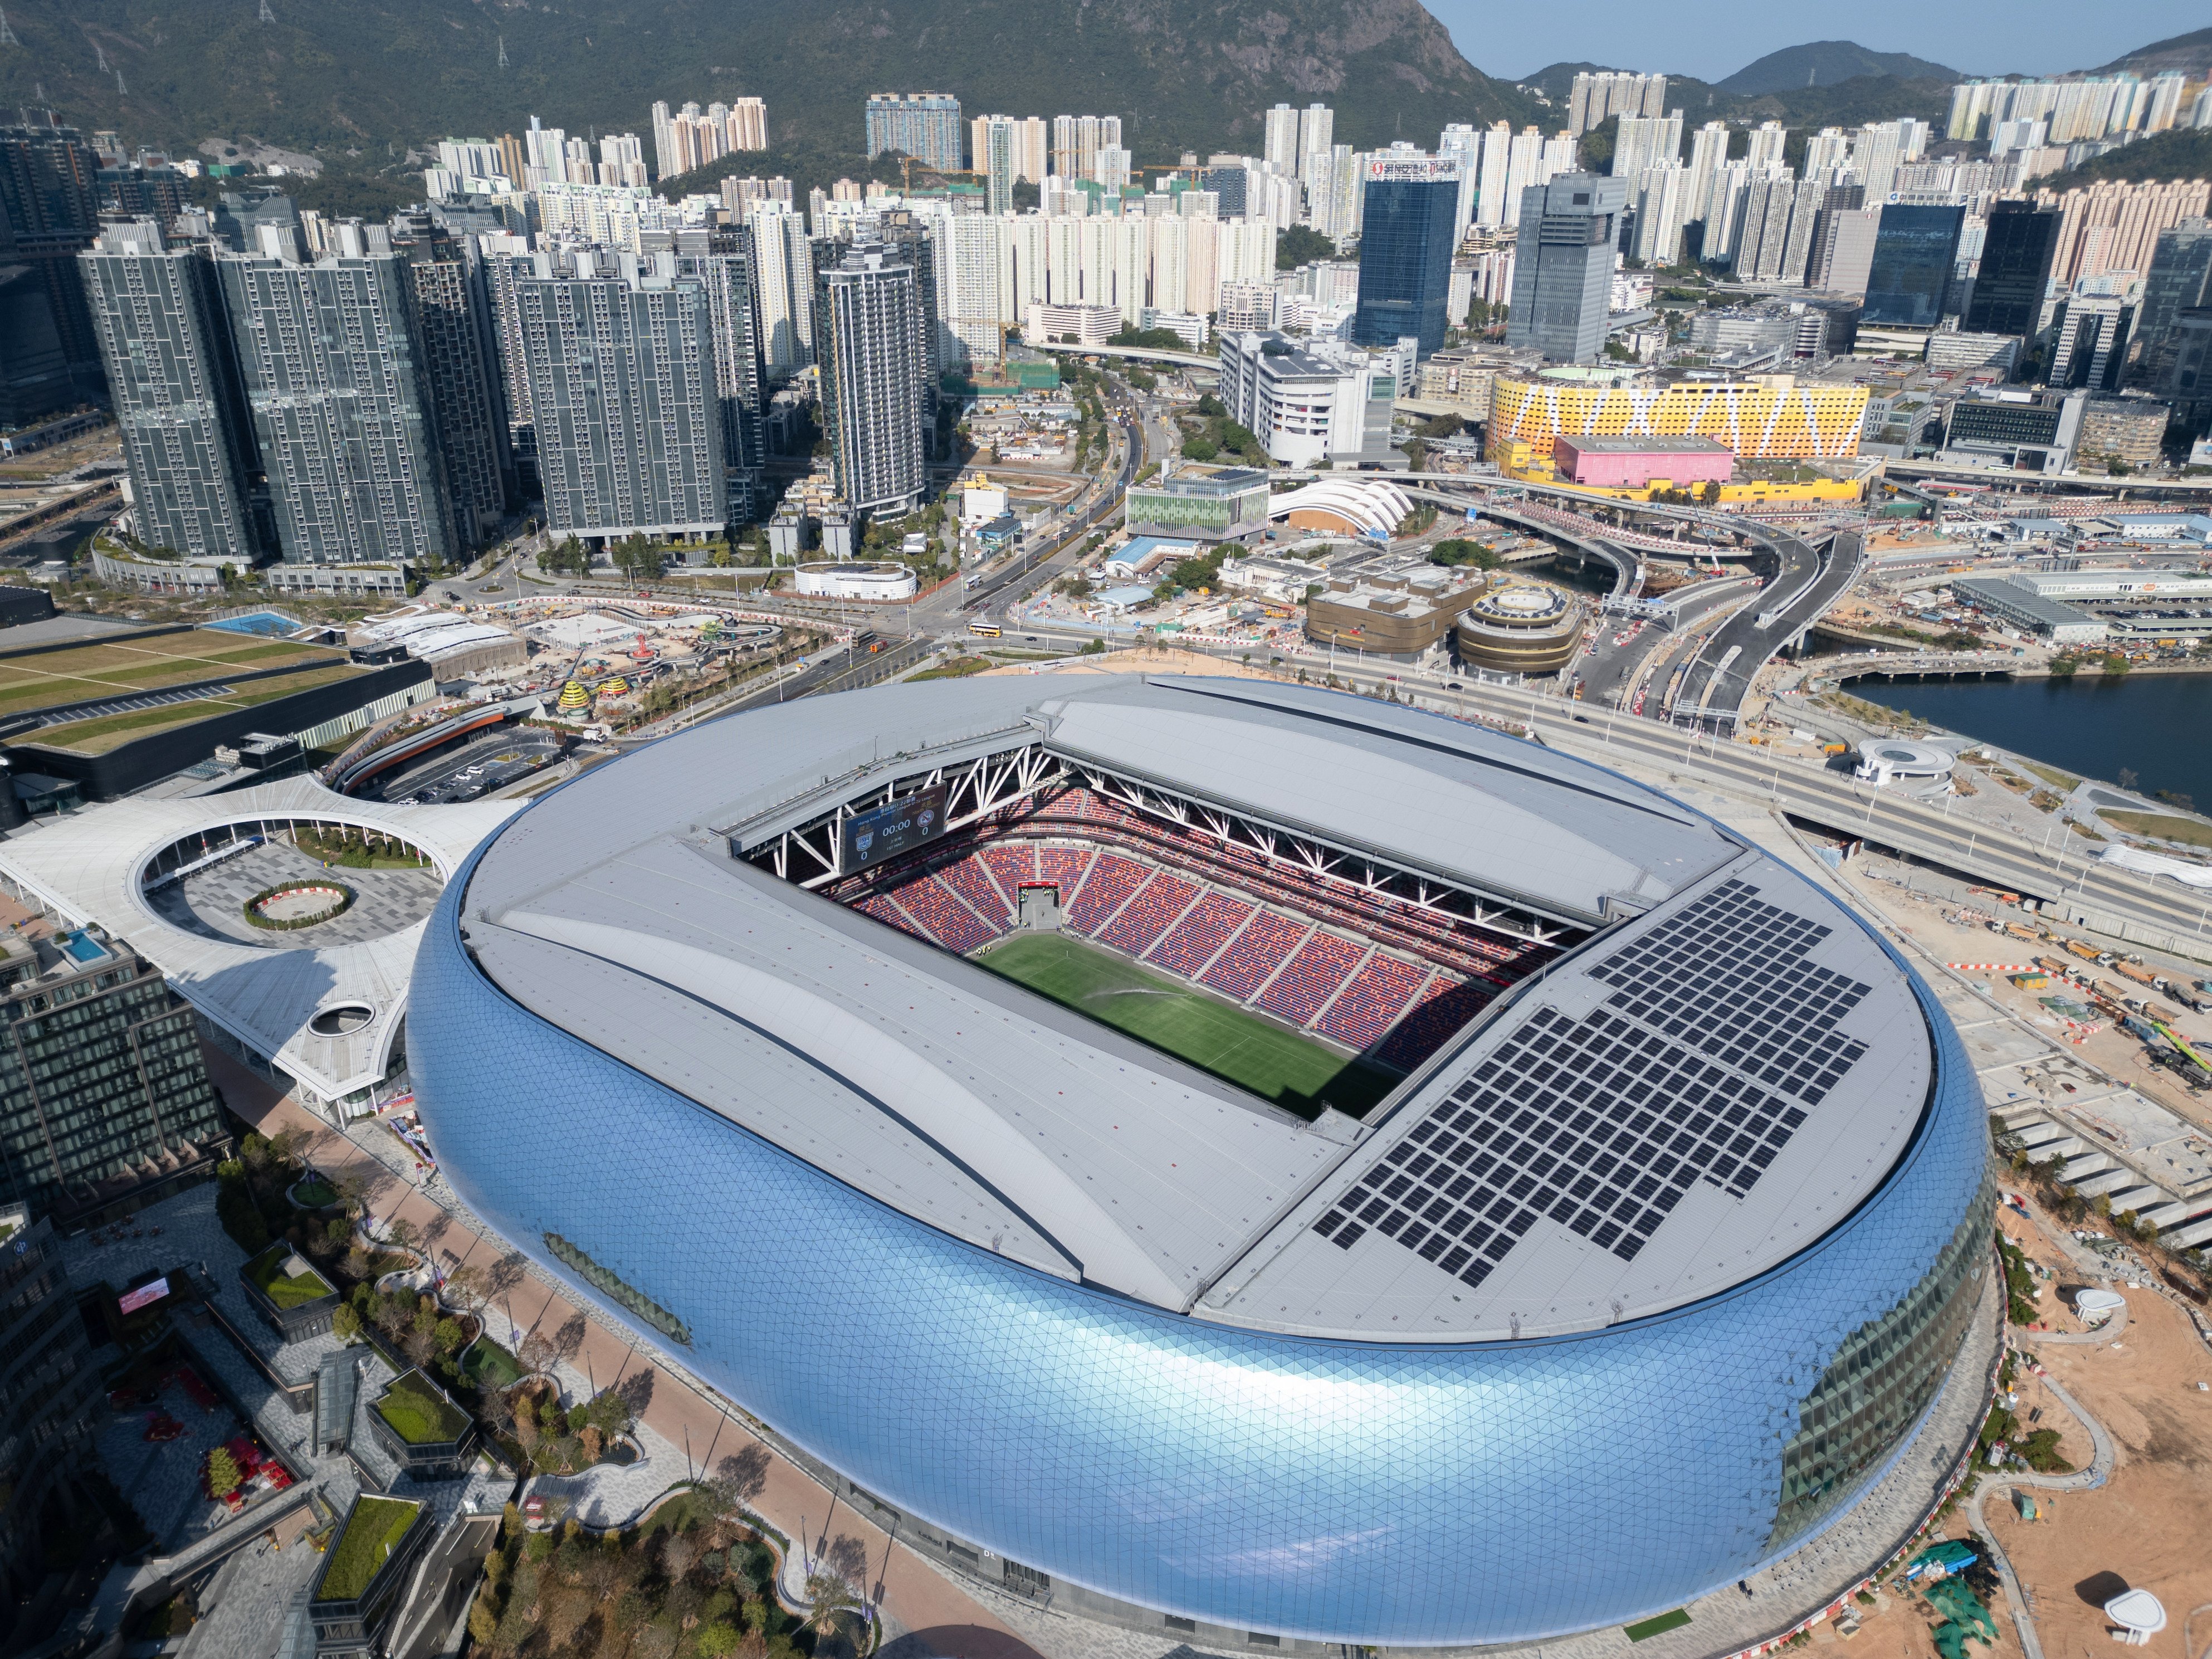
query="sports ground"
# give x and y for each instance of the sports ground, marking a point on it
(1293, 1072)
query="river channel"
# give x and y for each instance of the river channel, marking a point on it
(2157, 727)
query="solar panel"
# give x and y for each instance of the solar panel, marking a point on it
(1602, 1123)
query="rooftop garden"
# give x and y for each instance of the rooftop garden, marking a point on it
(419, 1415)
(266, 1272)
(372, 1532)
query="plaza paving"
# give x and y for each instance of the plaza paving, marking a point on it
(212, 901)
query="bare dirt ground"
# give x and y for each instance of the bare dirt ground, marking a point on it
(2144, 1529)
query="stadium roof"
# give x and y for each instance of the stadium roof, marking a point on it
(614, 909)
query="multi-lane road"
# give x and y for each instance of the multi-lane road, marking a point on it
(1808, 579)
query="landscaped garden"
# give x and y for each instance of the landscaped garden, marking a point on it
(694, 1581)
(286, 1289)
(371, 1534)
(419, 1415)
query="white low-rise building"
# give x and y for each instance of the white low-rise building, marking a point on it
(1319, 402)
(856, 578)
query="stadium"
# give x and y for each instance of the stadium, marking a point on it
(1232, 1158)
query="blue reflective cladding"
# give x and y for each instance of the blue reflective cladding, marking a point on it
(1349, 1491)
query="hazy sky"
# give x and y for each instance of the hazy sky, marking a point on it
(1717, 37)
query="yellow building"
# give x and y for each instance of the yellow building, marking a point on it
(1762, 417)
(1519, 460)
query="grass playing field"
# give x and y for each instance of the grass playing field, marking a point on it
(1293, 1072)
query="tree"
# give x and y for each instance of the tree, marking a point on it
(223, 1477)
(1301, 244)
(1711, 492)
(345, 1324)
(832, 1608)
(535, 1350)
(468, 1289)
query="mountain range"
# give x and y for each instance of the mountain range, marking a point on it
(361, 85)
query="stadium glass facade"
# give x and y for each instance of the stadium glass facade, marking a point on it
(1340, 1490)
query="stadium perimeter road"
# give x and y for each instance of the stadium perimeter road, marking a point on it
(2059, 873)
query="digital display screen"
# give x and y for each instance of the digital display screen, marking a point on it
(882, 832)
(144, 1295)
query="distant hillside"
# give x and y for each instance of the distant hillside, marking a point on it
(2192, 52)
(1848, 103)
(2185, 155)
(359, 82)
(1828, 64)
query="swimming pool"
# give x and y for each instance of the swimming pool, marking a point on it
(267, 622)
(80, 946)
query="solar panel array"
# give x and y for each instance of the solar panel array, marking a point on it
(1603, 1123)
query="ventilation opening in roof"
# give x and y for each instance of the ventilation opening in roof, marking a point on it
(1307, 976)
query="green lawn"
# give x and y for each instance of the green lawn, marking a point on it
(1291, 1071)
(371, 1534)
(487, 1364)
(1665, 1621)
(2190, 832)
(267, 1273)
(417, 1413)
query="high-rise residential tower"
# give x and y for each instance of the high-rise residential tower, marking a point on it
(923, 125)
(49, 354)
(451, 309)
(2180, 280)
(1563, 269)
(334, 373)
(1405, 249)
(620, 358)
(720, 261)
(871, 325)
(166, 340)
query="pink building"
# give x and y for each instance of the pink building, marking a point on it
(1636, 463)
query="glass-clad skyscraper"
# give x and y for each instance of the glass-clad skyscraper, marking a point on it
(1914, 251)
(1563, 265)
(2015, 272)
(1406, 250)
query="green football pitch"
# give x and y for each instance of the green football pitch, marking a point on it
(1293, 1072)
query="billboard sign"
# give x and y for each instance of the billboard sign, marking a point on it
(144, 1296)
(884, 832)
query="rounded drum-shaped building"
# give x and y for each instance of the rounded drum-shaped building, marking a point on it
(1564, 1208)
(1519, 628)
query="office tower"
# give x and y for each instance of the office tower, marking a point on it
(2090, 345)
(1317, 133)
(2013, 277)
(620, 358)
(1229, 187)
(104, 1102)
(720, 259)
(1914, 250)
(333, 374)
(2179, 279)
(49, 354)
(1405, 249)
(451, 310)
(923, 125)
(1596, 96)
(1842, 254)
(165, 339)
(996, 161)
(1645, 141)
(1563, 267)
(783, 274)
(1278, 144)
(870, 342)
